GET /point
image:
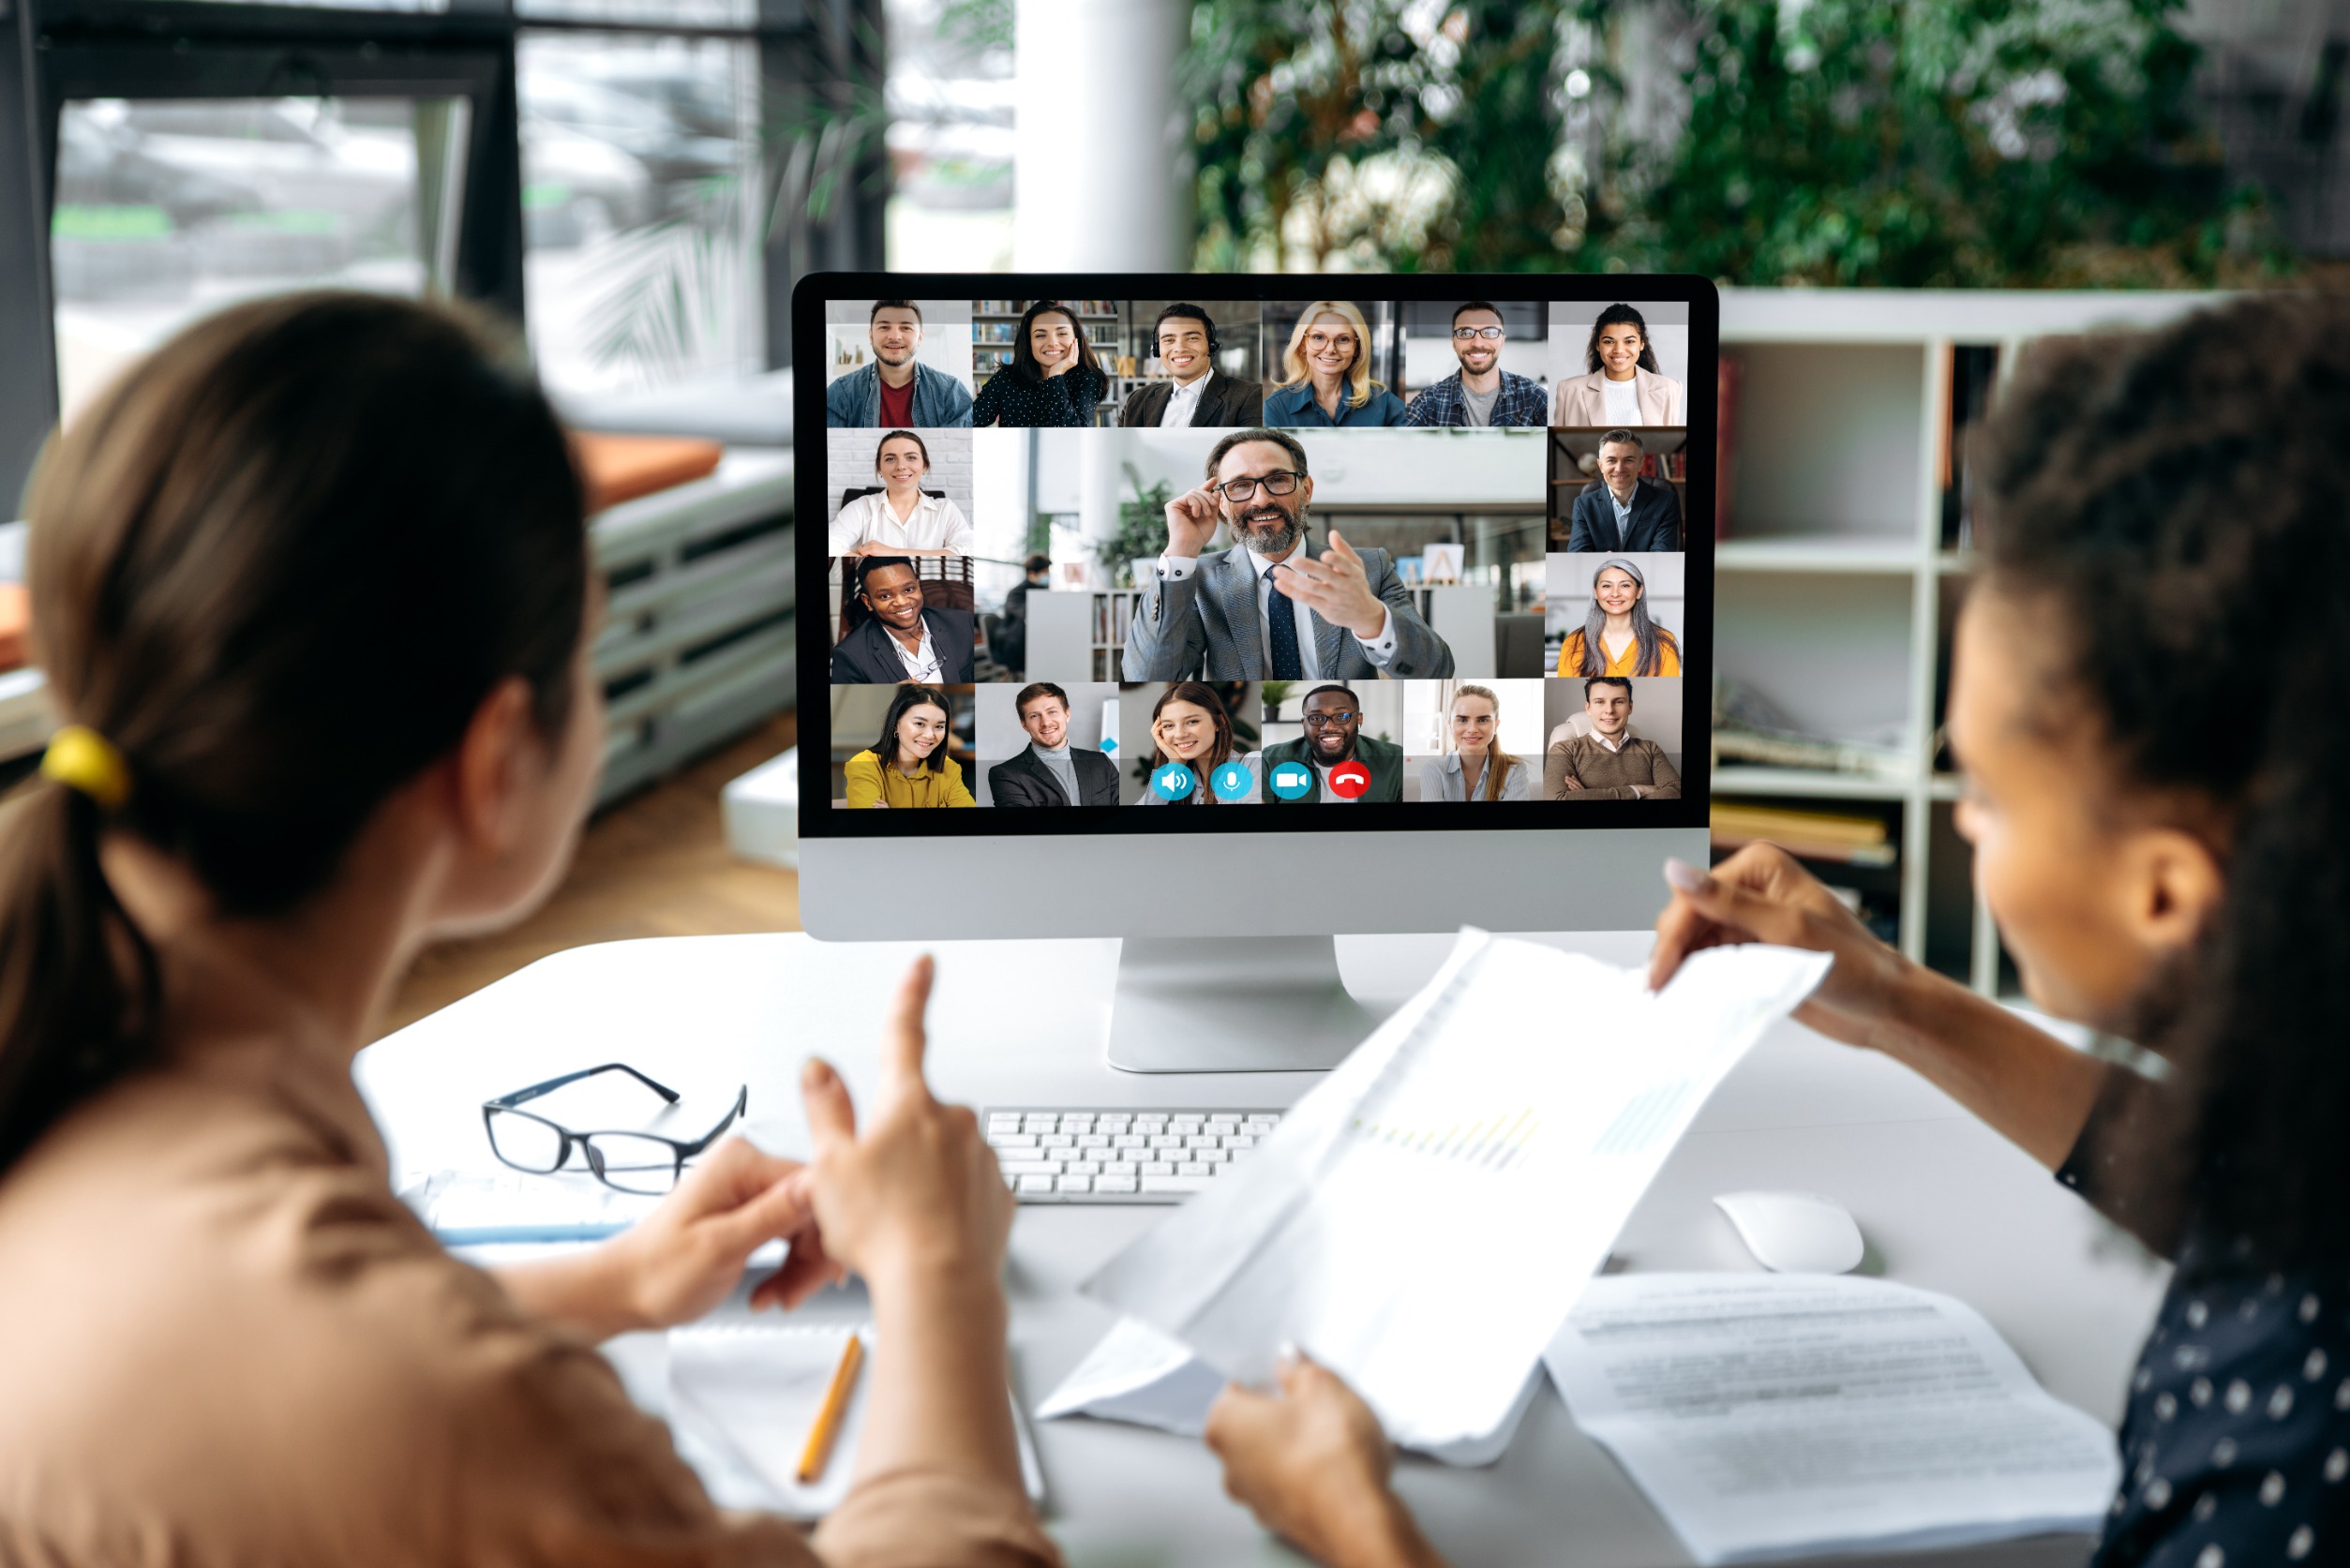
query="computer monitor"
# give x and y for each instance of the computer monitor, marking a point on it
(1209, 614)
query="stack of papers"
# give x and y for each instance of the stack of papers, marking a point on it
(1782, 1416)
(1507, 1119)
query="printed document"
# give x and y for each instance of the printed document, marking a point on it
(1424, 1219)
(1776, 1416)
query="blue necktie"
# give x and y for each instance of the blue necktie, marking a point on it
(1280, 622)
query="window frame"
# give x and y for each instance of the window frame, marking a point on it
(56, 50)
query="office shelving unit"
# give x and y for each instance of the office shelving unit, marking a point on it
(1834, 593)
(697, 642)
(1072, 629)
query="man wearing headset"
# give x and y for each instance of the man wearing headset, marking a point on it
(1199, 394)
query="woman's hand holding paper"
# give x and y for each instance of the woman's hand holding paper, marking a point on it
(2022, 1081)
(1762, 894)
(1311, 1462)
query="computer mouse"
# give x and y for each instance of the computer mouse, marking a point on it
(1794, 1233)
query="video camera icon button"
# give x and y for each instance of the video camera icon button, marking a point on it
(1348, 781)
(1233, 782)
(1292, 780)
(1173, 781)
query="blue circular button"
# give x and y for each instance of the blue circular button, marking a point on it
(1292, 780)
(1172, 781)
(1233, 782)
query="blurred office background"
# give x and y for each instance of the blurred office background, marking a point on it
(1897, 198)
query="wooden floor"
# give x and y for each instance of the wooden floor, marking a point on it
(656, 864)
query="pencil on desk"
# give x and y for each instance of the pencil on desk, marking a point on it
(827, 1420)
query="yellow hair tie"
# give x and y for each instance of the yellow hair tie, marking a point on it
(81, 758)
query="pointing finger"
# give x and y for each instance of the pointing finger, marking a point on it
(904, 1042)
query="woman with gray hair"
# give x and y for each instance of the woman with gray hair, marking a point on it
(1617, 637)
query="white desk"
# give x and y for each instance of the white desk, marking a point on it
(1944, 1203)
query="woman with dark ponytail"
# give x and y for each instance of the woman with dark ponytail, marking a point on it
(2150, 698)
(311, 584)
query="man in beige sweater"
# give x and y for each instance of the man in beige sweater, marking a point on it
(1610, 763)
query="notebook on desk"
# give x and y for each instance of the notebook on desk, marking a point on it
(743, 1398)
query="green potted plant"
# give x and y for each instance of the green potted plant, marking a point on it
(1141, 534)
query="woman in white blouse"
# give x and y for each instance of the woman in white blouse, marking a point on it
(900, 519)
(1625, 389)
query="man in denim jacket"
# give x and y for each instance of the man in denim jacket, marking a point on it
(897, 392)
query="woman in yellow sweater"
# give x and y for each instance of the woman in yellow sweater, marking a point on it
(909, 766)
(1618, 637)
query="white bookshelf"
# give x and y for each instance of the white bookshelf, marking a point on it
(1072, 629)
(1834, 589)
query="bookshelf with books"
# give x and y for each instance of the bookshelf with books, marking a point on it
(1848, 422)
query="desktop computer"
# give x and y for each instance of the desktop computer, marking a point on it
(1203, 613)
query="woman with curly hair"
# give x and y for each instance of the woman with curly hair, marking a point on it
(2150, 699)
(1622, 384)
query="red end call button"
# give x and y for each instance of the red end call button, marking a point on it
(1348, 780)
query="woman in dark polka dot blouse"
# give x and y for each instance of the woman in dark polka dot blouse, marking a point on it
(2150, 698)
(1054, 378)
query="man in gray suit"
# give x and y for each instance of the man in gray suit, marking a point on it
(1274, 606)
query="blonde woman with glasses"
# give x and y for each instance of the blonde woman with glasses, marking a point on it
(1326, 373)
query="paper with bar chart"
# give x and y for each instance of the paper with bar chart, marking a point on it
(1424, 1220)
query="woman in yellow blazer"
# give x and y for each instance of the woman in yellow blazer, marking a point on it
(908, 766)
(1618, 637)
(1624, 387)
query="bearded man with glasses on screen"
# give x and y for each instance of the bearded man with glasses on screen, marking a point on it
(1480, 393)
(1275, 606)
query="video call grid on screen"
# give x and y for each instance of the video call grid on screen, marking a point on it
(1492, 531)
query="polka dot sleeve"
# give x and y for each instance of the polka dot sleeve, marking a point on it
(2236, 1446)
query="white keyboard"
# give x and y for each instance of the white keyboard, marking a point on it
(1063, 1155)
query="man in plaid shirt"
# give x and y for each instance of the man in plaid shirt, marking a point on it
(1480, 392)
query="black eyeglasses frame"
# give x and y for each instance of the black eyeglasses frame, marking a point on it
(684, 1149)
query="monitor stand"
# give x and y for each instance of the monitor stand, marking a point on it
(1236, 1003)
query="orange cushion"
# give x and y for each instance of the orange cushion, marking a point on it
(16, 621)
(621, 467)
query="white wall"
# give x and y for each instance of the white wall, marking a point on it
(946, 337)
(999, 494)
(1353, 467)
(1101, 174)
